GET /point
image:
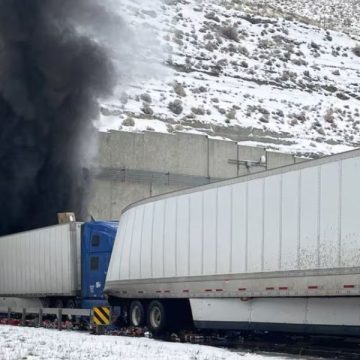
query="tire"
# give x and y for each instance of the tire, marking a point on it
(157, 317)
(137, 315)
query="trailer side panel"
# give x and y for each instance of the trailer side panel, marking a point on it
(41, 262)
(290, 232)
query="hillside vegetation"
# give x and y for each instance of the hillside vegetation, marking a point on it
(260, 72)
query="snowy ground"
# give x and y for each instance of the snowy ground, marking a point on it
(34, 344)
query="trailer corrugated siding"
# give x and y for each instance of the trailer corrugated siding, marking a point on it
(297, 218)
(40, 262)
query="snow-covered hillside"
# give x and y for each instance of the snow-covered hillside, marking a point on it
(231, 73)
(343, 15)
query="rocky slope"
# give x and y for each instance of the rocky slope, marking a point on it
(263, 73)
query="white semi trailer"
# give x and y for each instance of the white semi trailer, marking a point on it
(41, 263)
(277, 250)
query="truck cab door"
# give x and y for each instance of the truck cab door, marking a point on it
(95, 252)
(97, 268)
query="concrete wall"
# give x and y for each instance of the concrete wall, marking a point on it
(276, 159)
(134, 166)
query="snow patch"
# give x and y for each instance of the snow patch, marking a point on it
(35, 344)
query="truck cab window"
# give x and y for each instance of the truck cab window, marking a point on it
(95, 240)
(94, 263)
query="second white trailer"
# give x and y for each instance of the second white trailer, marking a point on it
(290, 231)
(285, 233)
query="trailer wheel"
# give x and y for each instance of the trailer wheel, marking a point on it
(156, 319)
(137, 314)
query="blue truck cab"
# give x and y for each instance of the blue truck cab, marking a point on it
(97, 240)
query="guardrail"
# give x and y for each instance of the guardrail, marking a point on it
(44, 311)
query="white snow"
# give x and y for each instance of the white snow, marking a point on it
(34, 344)
(334, 14)
(282, 76)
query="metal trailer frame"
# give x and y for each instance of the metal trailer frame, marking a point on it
(339, 282)
(40, 312)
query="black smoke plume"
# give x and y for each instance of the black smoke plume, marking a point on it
(51, 77)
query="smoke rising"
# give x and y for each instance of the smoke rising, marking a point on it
(52, 74)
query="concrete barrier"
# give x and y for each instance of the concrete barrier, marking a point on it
(134, 166)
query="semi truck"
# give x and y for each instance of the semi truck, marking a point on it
(61, 266)
(272, 251)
